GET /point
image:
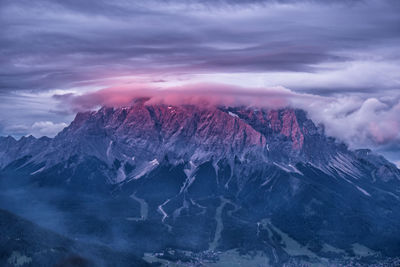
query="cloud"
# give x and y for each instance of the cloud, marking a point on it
(20, 110)
(17, 129)
(204, 94)
(47, 128)
(37, 129)
(371, 122)
(59, 44)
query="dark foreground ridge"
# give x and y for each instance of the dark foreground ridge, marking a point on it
(200, 185)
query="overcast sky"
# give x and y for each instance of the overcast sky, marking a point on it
(342, 56)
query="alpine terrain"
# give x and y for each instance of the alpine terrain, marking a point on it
(152, 184)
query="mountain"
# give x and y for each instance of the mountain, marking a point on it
(205, 184)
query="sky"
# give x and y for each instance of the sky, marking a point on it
(337, 59)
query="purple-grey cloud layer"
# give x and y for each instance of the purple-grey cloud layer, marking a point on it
(58, 44)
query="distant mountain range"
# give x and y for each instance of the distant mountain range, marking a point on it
(197, 185)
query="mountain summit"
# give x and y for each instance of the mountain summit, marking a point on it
(244, 179)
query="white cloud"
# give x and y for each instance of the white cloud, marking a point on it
(358, 76)
(47, 128)
(360, 122)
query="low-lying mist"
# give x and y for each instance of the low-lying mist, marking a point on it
(96, 219)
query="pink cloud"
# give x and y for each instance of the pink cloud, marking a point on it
(198, 94)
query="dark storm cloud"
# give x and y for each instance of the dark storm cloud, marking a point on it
(59, 44)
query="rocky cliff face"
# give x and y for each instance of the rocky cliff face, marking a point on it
(157, 128)
(186, 132)
(216, 179)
